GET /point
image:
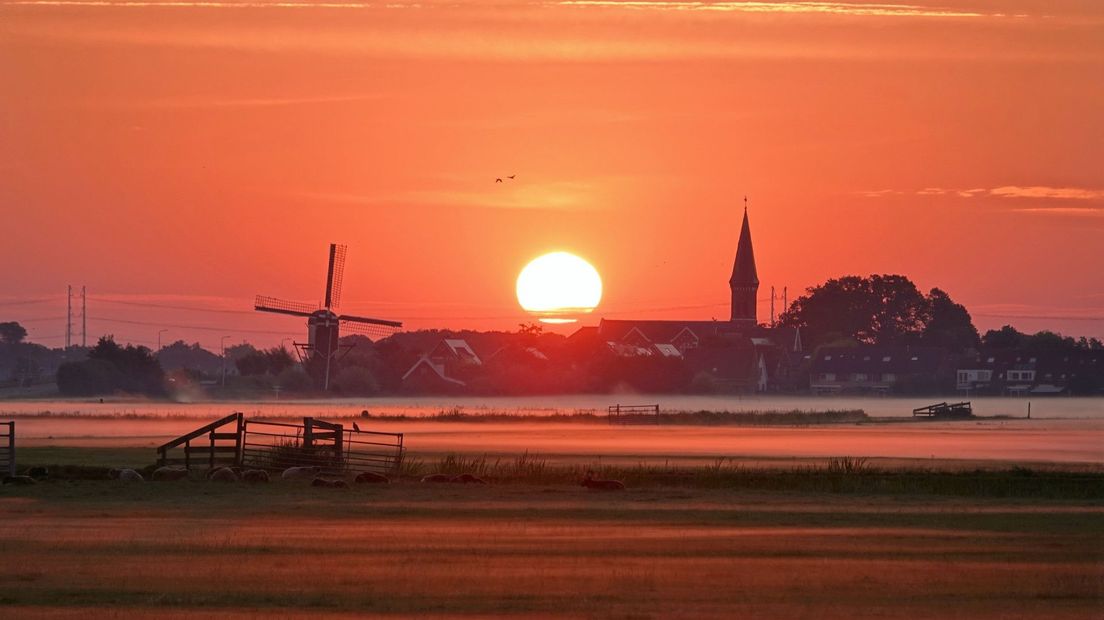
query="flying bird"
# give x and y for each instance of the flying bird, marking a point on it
(511, 177)
(498, 180)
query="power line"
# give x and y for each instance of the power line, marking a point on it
(1040, 317)
(183, 327)
(171, 306)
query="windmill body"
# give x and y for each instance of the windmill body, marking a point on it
(324, 324)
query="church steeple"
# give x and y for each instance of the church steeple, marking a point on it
(745, 280)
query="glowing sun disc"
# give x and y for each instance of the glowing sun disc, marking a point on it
(557, 286)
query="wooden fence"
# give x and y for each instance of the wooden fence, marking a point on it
(7, 446)
(218, 443)
(633, 414)
(275, 446)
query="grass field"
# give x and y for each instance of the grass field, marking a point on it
(196, 549)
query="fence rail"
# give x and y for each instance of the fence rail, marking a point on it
(633, 414)
(209, 445)
(7, 446)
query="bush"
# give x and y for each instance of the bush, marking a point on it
(88, 378)
(355, 381)
(294, 379)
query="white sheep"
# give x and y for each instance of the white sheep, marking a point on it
(126, 475)
(222, 474)
(170, 473)
(292, 473)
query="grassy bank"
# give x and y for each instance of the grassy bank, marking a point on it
(841, 475)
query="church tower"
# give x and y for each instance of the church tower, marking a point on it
(744, 281)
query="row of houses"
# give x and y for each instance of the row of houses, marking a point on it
(729, 357)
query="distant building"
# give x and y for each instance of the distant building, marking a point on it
(734, 355)
(744, 283)
(878, 369)
(1017, 373)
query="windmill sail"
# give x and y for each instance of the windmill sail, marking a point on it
(265, 303)
(334, 275)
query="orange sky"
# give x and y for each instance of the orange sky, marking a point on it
(194, 154)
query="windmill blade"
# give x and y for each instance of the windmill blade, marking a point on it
(282, 306)
(348, 318)
(375, 331)
(334, 274)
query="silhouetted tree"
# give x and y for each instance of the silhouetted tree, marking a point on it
(949, 324)
(12, 333)
(880, 309)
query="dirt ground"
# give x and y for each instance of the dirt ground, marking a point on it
(195, 549)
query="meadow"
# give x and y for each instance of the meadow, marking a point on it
(106, 549)
(719, 520)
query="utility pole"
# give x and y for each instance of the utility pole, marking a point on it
(69, 317)
(84, 317)
(772, 306)
(222, 343)
(785, 301)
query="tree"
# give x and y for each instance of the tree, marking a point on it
(880, 309)
(1007, 337)
(140, 372)
(949, 324)
(12, 333)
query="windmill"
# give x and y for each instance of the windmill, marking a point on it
(323, 323)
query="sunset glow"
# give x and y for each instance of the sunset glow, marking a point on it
(559, 286)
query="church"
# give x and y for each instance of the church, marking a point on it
(737, 355)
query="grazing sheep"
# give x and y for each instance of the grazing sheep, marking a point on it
(329, 484)
(601, 485)
(19, 480)
(437, 478)
(369, 477)
(126, 475)
(222, 474)
(255, 475)
(292, 473)
(170, 473)
(468, 478)
(38, 472)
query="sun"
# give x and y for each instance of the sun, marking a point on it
(559, 286)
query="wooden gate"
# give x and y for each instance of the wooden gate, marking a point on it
(218, 443)
(7, 446)
(633, 414)
(275, 446)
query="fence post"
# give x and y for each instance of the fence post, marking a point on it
(239, 451)
(11, 448)
(308, 432)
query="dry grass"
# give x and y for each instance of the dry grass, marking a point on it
(554, 551)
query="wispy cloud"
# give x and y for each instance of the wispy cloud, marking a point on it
(1039, 191)
(1005, 191)
(563, 195)
(829, 8)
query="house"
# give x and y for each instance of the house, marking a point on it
(877, 369)
(1015, 372)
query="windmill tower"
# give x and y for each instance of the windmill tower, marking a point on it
(323, 323)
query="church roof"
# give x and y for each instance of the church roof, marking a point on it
(743, 270)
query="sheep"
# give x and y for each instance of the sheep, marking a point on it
(126, 475)
(222, 474)
(255, 475)
(437, 478)
(19, 480)
(368, 477)
(601, 485)
(292, 473)
(38, 472)
(468, 478)
(329, 484)
(170, 473)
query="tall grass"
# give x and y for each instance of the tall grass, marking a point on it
(843, 474)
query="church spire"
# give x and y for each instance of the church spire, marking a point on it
(744, 282)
